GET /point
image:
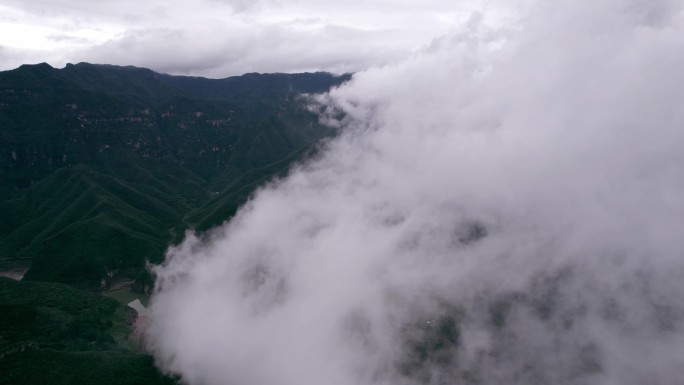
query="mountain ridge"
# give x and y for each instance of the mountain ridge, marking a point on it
(103, 166)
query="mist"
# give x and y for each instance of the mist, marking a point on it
(505, 206)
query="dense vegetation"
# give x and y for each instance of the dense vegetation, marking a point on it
(53, 333)
(101, 168)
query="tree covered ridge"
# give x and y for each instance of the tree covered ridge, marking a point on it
(102, 166)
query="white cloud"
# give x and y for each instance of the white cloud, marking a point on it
(524, 181)
(240, 49)
(358, 34)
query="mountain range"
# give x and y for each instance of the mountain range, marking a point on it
(102, 166)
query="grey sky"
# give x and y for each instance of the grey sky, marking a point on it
(224, 37)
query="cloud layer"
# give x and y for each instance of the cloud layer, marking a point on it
(505, 206)
(218, 38)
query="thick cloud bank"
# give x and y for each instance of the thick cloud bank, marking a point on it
(507, 207)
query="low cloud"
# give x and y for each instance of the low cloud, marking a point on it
(503, 207)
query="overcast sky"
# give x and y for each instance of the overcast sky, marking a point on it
(217, 38)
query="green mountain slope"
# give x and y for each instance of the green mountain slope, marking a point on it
(102, 167)
(53, 333)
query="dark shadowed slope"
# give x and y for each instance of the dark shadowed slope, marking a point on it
(101, 167)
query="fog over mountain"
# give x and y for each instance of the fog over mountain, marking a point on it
(507, 206)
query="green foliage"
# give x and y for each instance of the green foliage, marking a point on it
(45, 314)
(54, 333)
(102, 167)
(34, 366)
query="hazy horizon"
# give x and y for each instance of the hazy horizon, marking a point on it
(220, 38)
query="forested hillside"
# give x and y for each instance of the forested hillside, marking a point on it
(102, 167)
